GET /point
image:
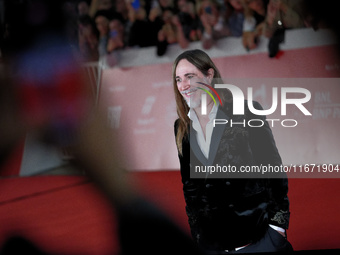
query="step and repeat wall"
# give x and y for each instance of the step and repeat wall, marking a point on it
(138, 98)
(141, 107)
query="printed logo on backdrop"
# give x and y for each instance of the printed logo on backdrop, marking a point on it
(324, 107)
(113, 116)
(146, 121)
(161, 84)
(170, 114)
(114, 113)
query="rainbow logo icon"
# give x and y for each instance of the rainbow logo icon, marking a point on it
(213, 90)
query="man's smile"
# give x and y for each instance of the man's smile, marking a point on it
(188, 92)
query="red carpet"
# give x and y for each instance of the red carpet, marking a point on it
(68, 215)
(60, 214)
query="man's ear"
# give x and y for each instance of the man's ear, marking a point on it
(211, 74)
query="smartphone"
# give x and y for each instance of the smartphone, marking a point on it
(135, 4)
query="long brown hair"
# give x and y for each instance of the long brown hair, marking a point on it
(203, 63)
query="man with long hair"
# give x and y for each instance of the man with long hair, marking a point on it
(226, 214)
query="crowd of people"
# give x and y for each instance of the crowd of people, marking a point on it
(105, 26)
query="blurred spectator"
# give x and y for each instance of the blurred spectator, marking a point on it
(102, 19)
(97, 5)
(88, 39)
(116, 35)
(164, 4)
(155, 13)
(121, 7)
(234, 15)
(213, 22)
(283, 14)
(138, 220)
(142, 32)
(116, 42)
(48, 96)
(191, 24)
(271, 18)
(259, 8)
(156, 23)
(170, 33)
(83, 7)
(323, 15)
(255, 12)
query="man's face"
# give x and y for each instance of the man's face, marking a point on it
(187, 76)
(83, 8)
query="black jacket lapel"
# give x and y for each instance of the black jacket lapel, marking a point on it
(215, 140)
(217, 135)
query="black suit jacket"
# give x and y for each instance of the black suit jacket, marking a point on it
(225, 213)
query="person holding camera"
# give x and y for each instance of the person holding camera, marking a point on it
(214, 25)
